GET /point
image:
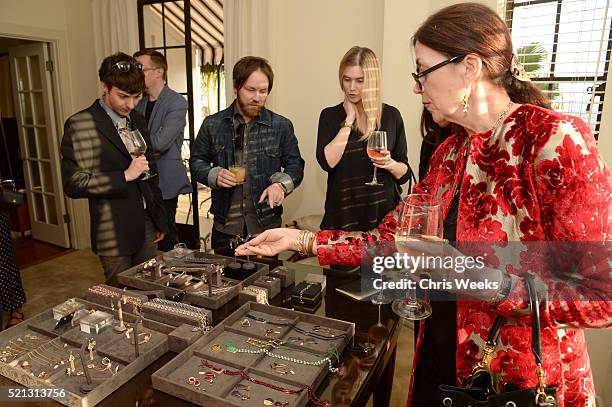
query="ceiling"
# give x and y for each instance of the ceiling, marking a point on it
(206, 23)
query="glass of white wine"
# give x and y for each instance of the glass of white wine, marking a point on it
(138, 147)
(420, 221)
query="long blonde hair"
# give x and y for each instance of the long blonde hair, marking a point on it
(370, 95)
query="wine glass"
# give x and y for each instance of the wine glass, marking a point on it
(376, 143)
(138, 147)
(420, 220)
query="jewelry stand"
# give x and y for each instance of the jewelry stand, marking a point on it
(234, 267)
(119, 326)
(135, 333)
(89, 384)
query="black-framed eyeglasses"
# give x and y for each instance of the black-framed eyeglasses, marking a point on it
(125, 66)
(419, 75)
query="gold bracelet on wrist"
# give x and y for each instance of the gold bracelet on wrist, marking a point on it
(305, 241)
(350, 126)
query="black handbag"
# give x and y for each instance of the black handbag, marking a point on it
(479, 390)
(9, 195)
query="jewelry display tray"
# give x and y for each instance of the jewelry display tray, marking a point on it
(134, 278)
(109, 345)
(173, 377)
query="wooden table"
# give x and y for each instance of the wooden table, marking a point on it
(361, 375)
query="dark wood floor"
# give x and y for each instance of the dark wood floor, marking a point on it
(31, 251)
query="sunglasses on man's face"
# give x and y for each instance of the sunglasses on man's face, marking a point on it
(125, 66)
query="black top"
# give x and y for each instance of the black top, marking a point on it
(437, 363)
(149, 109)
(430, 143)
(349, 203)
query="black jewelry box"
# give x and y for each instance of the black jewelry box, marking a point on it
(306, 294)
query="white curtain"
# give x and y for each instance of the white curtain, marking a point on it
(115, 27)
(249, 30)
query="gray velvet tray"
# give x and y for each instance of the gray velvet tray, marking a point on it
(68, 338)
(217, 348)
(134, 277)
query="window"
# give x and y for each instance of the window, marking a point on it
(565, 46)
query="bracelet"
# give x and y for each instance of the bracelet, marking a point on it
(316, 401)
(350, 126)
(305, 241)
(504, 289)
(282, 186)
(261, 294)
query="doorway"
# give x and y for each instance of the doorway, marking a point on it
(30, 154)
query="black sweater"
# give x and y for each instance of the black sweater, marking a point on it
(349, 203)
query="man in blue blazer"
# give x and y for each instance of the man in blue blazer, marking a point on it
(165, 112)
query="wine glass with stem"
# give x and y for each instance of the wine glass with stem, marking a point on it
(138, 147)
(420, 221)
(377, 142)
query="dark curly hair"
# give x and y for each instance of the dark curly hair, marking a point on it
(131, 81)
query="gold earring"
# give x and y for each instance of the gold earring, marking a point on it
(464, 101)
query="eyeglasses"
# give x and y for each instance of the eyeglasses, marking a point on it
(419, 75)
(125, 66)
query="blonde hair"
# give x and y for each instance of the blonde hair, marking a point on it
(370, 95)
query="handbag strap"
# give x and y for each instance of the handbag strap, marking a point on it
(536, 343)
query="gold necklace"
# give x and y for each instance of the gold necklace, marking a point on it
(502, 116)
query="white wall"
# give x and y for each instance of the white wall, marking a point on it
(67, 25)
(306, 75)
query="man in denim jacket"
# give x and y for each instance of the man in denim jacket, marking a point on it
(254, 140)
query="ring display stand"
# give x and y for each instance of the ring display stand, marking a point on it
(191, 270)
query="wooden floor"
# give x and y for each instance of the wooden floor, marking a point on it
(31, 251)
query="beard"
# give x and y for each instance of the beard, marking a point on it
(249, 110)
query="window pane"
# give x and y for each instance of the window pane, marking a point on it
(35, 182)
(177, 77)
(43, 143)
(23, 81)
(51, 210)
(30, 142)
(581, 26)
(172, 24)
(26, 108)
(39, 207)
(45, 168)
(39, 108)
(35, 72)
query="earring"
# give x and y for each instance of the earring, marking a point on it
(464, 101)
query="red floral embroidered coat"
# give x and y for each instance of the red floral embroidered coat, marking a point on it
(538, 177)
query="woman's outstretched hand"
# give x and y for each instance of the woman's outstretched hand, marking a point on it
(270, 243)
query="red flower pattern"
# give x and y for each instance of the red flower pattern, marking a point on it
(539, 177)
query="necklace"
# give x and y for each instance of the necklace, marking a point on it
(468, 141)
(502, 116)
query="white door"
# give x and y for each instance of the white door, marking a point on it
(32, 91)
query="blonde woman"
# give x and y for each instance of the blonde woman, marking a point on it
(341, 148)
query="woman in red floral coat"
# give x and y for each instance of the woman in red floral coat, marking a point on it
(524, 173)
